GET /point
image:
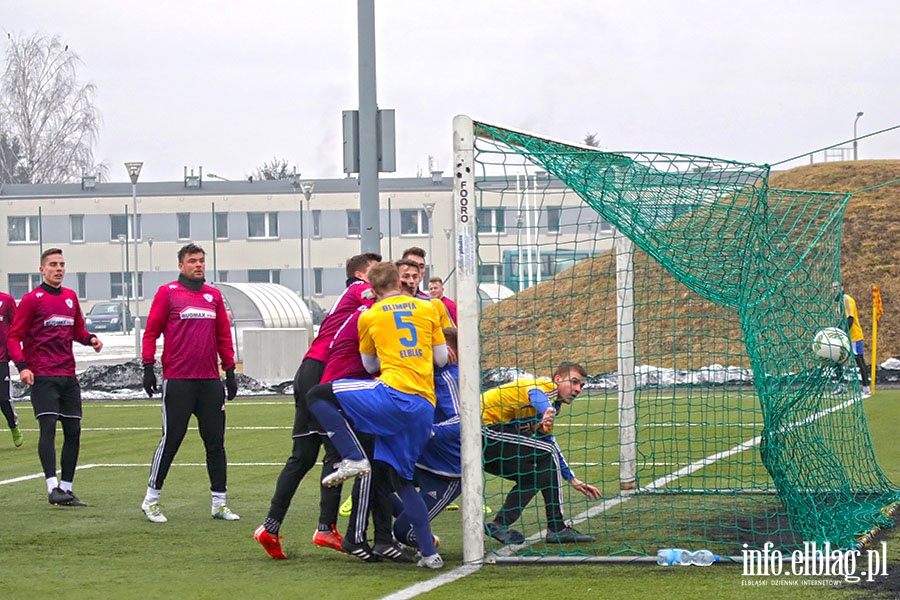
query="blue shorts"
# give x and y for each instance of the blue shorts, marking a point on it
(858, 348)
(401, 423)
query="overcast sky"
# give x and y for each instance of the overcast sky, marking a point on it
(228, 85)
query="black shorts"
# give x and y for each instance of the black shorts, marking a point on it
(308, 375)
(55, 395)
(5, 382)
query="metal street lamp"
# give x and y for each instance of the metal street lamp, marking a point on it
(122, 245)
(214, 176)
(429, 210)
(855, 143)
(150, 252)
(134, 171)
(307, 188)
(449, 233)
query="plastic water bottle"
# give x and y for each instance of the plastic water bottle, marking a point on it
(679, 557)
(673, 556)
(703, 558)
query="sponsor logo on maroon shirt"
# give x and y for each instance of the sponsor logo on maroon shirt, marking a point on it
(192, 312)
(59, 321)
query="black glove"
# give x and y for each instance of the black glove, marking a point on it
(149, 380)
(230, 384)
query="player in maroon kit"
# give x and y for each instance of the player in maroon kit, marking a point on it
(373, 492)
(47, 321)
(7, 313)
(192, 317)
(307, 435)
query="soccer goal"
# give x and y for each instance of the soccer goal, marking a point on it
(691, 292)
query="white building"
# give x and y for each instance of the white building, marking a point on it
(265, 231)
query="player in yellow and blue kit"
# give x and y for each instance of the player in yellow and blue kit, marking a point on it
(519, 446)
(856, 343)
(401, 337)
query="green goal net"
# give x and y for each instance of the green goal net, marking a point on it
(691, 292)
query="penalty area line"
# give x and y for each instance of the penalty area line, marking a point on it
(424, 587)
(138, 465)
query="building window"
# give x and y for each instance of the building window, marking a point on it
(24, 229)
(264, 276)
(76, 228)
(81, 285)
(22, 283)
(221, 227)
(605, 225)
(490, 220)
(317, 223)
(414, 221)
(115, 285)
(262, 225)
(553, 215)
(490, 273)
(318, 288)
(119, 225)
(183, 221)
(353, 223)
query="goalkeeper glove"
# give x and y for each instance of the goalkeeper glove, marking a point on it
(230, 384)
(149, 380)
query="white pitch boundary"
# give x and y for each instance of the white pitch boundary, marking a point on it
(466, 570)
(141, 465)
(625, 496)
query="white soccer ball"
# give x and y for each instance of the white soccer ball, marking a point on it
(831, 345)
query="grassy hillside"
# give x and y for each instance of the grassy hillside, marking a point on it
(542, 331)
(870, 248)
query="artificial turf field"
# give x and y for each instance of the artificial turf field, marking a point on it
(109, 550)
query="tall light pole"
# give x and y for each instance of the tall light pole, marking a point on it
(307, 188)
(122, 245)
(855, 143)
(449, 233)
(429, 210)
(150, 252)
(134, 171)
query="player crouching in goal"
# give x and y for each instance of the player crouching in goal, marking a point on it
(518, 425)
(401, 337)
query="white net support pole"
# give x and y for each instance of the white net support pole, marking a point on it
(626, 380)
(464, 198)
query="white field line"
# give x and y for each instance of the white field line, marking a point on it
(667, 479)
(141, 465)
(465, 570)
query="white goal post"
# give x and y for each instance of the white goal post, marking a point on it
(466, 256)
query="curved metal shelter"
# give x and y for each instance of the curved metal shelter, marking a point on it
(491, 293)
(265, 305)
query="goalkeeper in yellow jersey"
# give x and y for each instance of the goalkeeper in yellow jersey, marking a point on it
(519, 446)
(856, 343)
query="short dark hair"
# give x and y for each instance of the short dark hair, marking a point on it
(360, 262)
(452, 337)
(405, 262)
(190, 248)
(48, 252)
(565, 368)
(414, 251)
(384, 277)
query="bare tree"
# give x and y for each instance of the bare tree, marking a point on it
(590, 139)
(275, 169)
(9, 159)
(47, 116)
